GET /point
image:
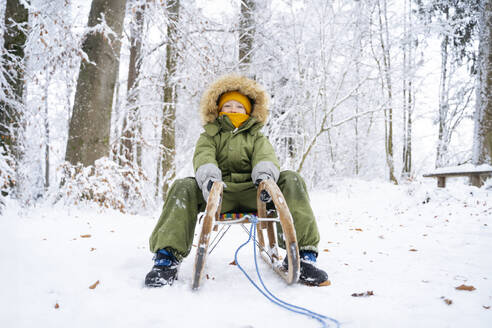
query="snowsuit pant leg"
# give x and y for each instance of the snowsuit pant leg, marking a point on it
(176, 226)
(296, 195)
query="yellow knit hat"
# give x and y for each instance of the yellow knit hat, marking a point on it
(239, 97)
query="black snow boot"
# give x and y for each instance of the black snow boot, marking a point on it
(310, 274)
(164, 271)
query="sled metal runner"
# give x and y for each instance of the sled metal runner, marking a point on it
(267, 236)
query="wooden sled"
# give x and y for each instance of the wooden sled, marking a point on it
(267, 236)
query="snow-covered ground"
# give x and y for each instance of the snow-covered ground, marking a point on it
(411, 245)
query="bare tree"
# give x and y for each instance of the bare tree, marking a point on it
(384, 66)
(482, 142)
(131, 144)
(166, 166)
(16, 18)
(456, 21)
(246, 34)
(408, 100)
(443, 136)
(89, 130)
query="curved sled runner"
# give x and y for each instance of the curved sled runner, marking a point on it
(267, 235)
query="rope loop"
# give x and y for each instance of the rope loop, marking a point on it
(266, 292)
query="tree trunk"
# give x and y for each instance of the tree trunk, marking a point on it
(89, 131)
(482, 142)
(384, 39)
(131, 125)
(166, 166)
(360, 50)
(442, 144)
(246, 34)
(10, 111)
(47, 134)
(408, 66)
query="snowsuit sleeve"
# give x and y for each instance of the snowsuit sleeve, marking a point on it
(264, 161)
(205, 162)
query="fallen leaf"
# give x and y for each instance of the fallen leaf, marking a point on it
(326, 250)
(57, 306)
(92, 249)
(94, 285)
(448, 301)
(465, 287)
(366, 294)
(358, 229)
(85, 236)
(486, 307)
(233, 262)
(412, 250)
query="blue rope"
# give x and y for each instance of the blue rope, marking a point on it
(266, 292)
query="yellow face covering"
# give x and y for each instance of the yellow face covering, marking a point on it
(236, 118)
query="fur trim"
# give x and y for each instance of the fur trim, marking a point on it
(233, 82)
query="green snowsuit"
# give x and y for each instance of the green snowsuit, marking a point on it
(235, 153)
(238, 157)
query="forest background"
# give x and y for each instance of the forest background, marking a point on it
(99, 99)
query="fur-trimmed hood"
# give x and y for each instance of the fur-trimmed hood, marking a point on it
(250, 88)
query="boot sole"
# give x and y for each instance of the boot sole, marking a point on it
(312, 284)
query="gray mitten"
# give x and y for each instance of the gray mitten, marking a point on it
(265, 197)
(207, 186)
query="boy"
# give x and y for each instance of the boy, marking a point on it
(232, 149)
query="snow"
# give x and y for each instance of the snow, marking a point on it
(463, 168)
(412, 245)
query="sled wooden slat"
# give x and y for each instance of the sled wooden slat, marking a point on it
(212, 213)
(292, 274)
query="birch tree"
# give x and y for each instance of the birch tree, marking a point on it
(89, 129)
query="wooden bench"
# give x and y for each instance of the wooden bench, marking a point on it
(476, 174)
